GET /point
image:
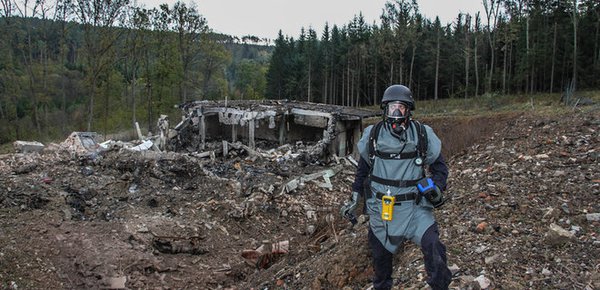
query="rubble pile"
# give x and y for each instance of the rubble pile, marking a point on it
(521, 202)
(523, 212)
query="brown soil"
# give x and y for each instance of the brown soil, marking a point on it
(174, 221)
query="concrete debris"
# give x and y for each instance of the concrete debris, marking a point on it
(484, 283)
(556, 235)
(491, 259)
(117, 282)
(146, 145)
(326, 174)
(319, 133)
(328, 128)
(352, 160)
(28, 146)
(81, 142)
(454, 269)
(546, 272)
(593, 217)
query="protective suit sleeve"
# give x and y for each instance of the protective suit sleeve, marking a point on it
(363, 143)
(360, 176)
(439, 172)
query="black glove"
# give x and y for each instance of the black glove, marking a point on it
(348, 209)
(430, 191)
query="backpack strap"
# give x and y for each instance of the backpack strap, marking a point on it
(374, 134)
(421, 152)
(422, 143)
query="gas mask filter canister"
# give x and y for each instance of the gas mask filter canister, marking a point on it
(396, 121)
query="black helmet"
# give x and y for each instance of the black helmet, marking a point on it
(398, 93)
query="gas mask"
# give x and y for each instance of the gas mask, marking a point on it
(395, 119)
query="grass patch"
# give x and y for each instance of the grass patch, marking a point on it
(494, 103)
(484, 104)
(6, 148)
(460, 123)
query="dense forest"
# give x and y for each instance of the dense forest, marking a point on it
(510, 47)
(80, 65)
(99, 65)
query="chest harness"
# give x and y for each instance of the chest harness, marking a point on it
(418, 155)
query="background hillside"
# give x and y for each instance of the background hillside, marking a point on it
(72, 66)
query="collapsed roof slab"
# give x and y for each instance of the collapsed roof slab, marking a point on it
(334, 129)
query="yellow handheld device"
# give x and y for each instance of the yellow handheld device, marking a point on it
(387, 207)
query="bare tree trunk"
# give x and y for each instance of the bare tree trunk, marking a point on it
(332, 85)
(308, 96)
(63, 57)
(91, 107)
(491, 72)
(574, 80)
(348, 103)
(412, 62)
(467, 57)
(133, 98)
(509, 68)
(401, 71)
(357, 84)
(45, 81)
(148, 90)
(507, 41)
(106, 104)
(553, 59)
(437, 67)
(504, 69)
(391, 79)
(563, 71)
(528, 54)
(343, 88)
(375, 84)
(596, 40)
(452, 85)
(324, 97)
(491, 12)
(182, 82)
(532, 83)
(99, 38)
(150, 109)
(476, 66)
(28, 58)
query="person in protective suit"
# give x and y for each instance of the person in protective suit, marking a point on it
(400, 193)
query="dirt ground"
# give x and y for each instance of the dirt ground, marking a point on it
(523, 213)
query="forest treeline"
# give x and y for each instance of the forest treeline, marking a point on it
(99, 65)
(510, 47)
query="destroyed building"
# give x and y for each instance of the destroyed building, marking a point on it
(266, 124)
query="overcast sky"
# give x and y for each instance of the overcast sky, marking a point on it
(264, 18)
